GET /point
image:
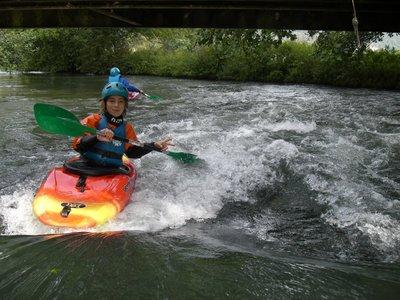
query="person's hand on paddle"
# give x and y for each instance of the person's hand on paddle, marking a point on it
(163, 144)
(105, 135)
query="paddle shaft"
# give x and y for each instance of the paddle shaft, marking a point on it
(181, 156)
(135, 143)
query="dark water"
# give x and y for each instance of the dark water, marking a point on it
(297, 195)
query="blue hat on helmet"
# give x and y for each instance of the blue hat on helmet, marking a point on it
(114, 89)
(115, 74)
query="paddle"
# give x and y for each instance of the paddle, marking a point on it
(152, 97)
(53, 110)
(54, 119)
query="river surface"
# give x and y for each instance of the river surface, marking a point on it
(297, 195)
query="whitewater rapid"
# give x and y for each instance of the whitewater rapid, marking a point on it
(252, 139)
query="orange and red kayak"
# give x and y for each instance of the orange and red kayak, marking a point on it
(79, 198)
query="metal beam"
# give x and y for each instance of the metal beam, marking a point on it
(373, 15)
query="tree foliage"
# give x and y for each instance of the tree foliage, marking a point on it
(245, 54)
(243, 37)
(343, 44)
(63, 50)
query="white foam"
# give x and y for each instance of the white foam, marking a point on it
(17, 214)
(298, 127)
(282, 149)
(155, 209)
(172, 195)
(382, 230)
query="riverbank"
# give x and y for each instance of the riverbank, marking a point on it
(252, 56)
(291, 62)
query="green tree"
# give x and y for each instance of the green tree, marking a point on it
(343, 44)
(15, 47)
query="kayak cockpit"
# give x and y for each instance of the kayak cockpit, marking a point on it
(83, 167)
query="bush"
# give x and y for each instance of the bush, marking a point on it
(231, 55)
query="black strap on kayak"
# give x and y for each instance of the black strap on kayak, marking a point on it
(81, 184)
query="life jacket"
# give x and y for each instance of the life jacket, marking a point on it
(108, 153)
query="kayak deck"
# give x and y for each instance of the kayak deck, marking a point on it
(71, 200)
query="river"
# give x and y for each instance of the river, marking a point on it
(296, 195)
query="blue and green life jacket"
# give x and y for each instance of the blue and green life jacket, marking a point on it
(108, 153)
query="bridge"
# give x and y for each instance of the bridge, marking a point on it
(373, 15)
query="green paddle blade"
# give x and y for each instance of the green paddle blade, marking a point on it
(42, 109)
(54, 119)
(63, 126)
(153, 97)
(186, 158)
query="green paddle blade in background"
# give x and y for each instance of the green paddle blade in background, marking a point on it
(153, 97)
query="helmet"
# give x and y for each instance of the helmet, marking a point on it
(115, 72)
(114, 89)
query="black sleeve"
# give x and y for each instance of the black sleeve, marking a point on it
(86, 142)
(138, 152)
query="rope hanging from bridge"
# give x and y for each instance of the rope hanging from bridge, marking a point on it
(355, 24)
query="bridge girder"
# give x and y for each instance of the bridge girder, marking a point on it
(373, 15)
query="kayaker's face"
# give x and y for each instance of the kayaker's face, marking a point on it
(115, 105)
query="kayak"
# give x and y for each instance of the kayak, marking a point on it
(133, 96)
(78, 195)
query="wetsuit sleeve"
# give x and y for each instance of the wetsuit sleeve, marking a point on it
(133, 151)
(138, 152)
(87, 140)
(128, 85)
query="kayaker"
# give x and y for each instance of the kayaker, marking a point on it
(101, 149)
(115, 76)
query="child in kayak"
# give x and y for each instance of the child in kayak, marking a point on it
(115, 76)
(101, 149)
